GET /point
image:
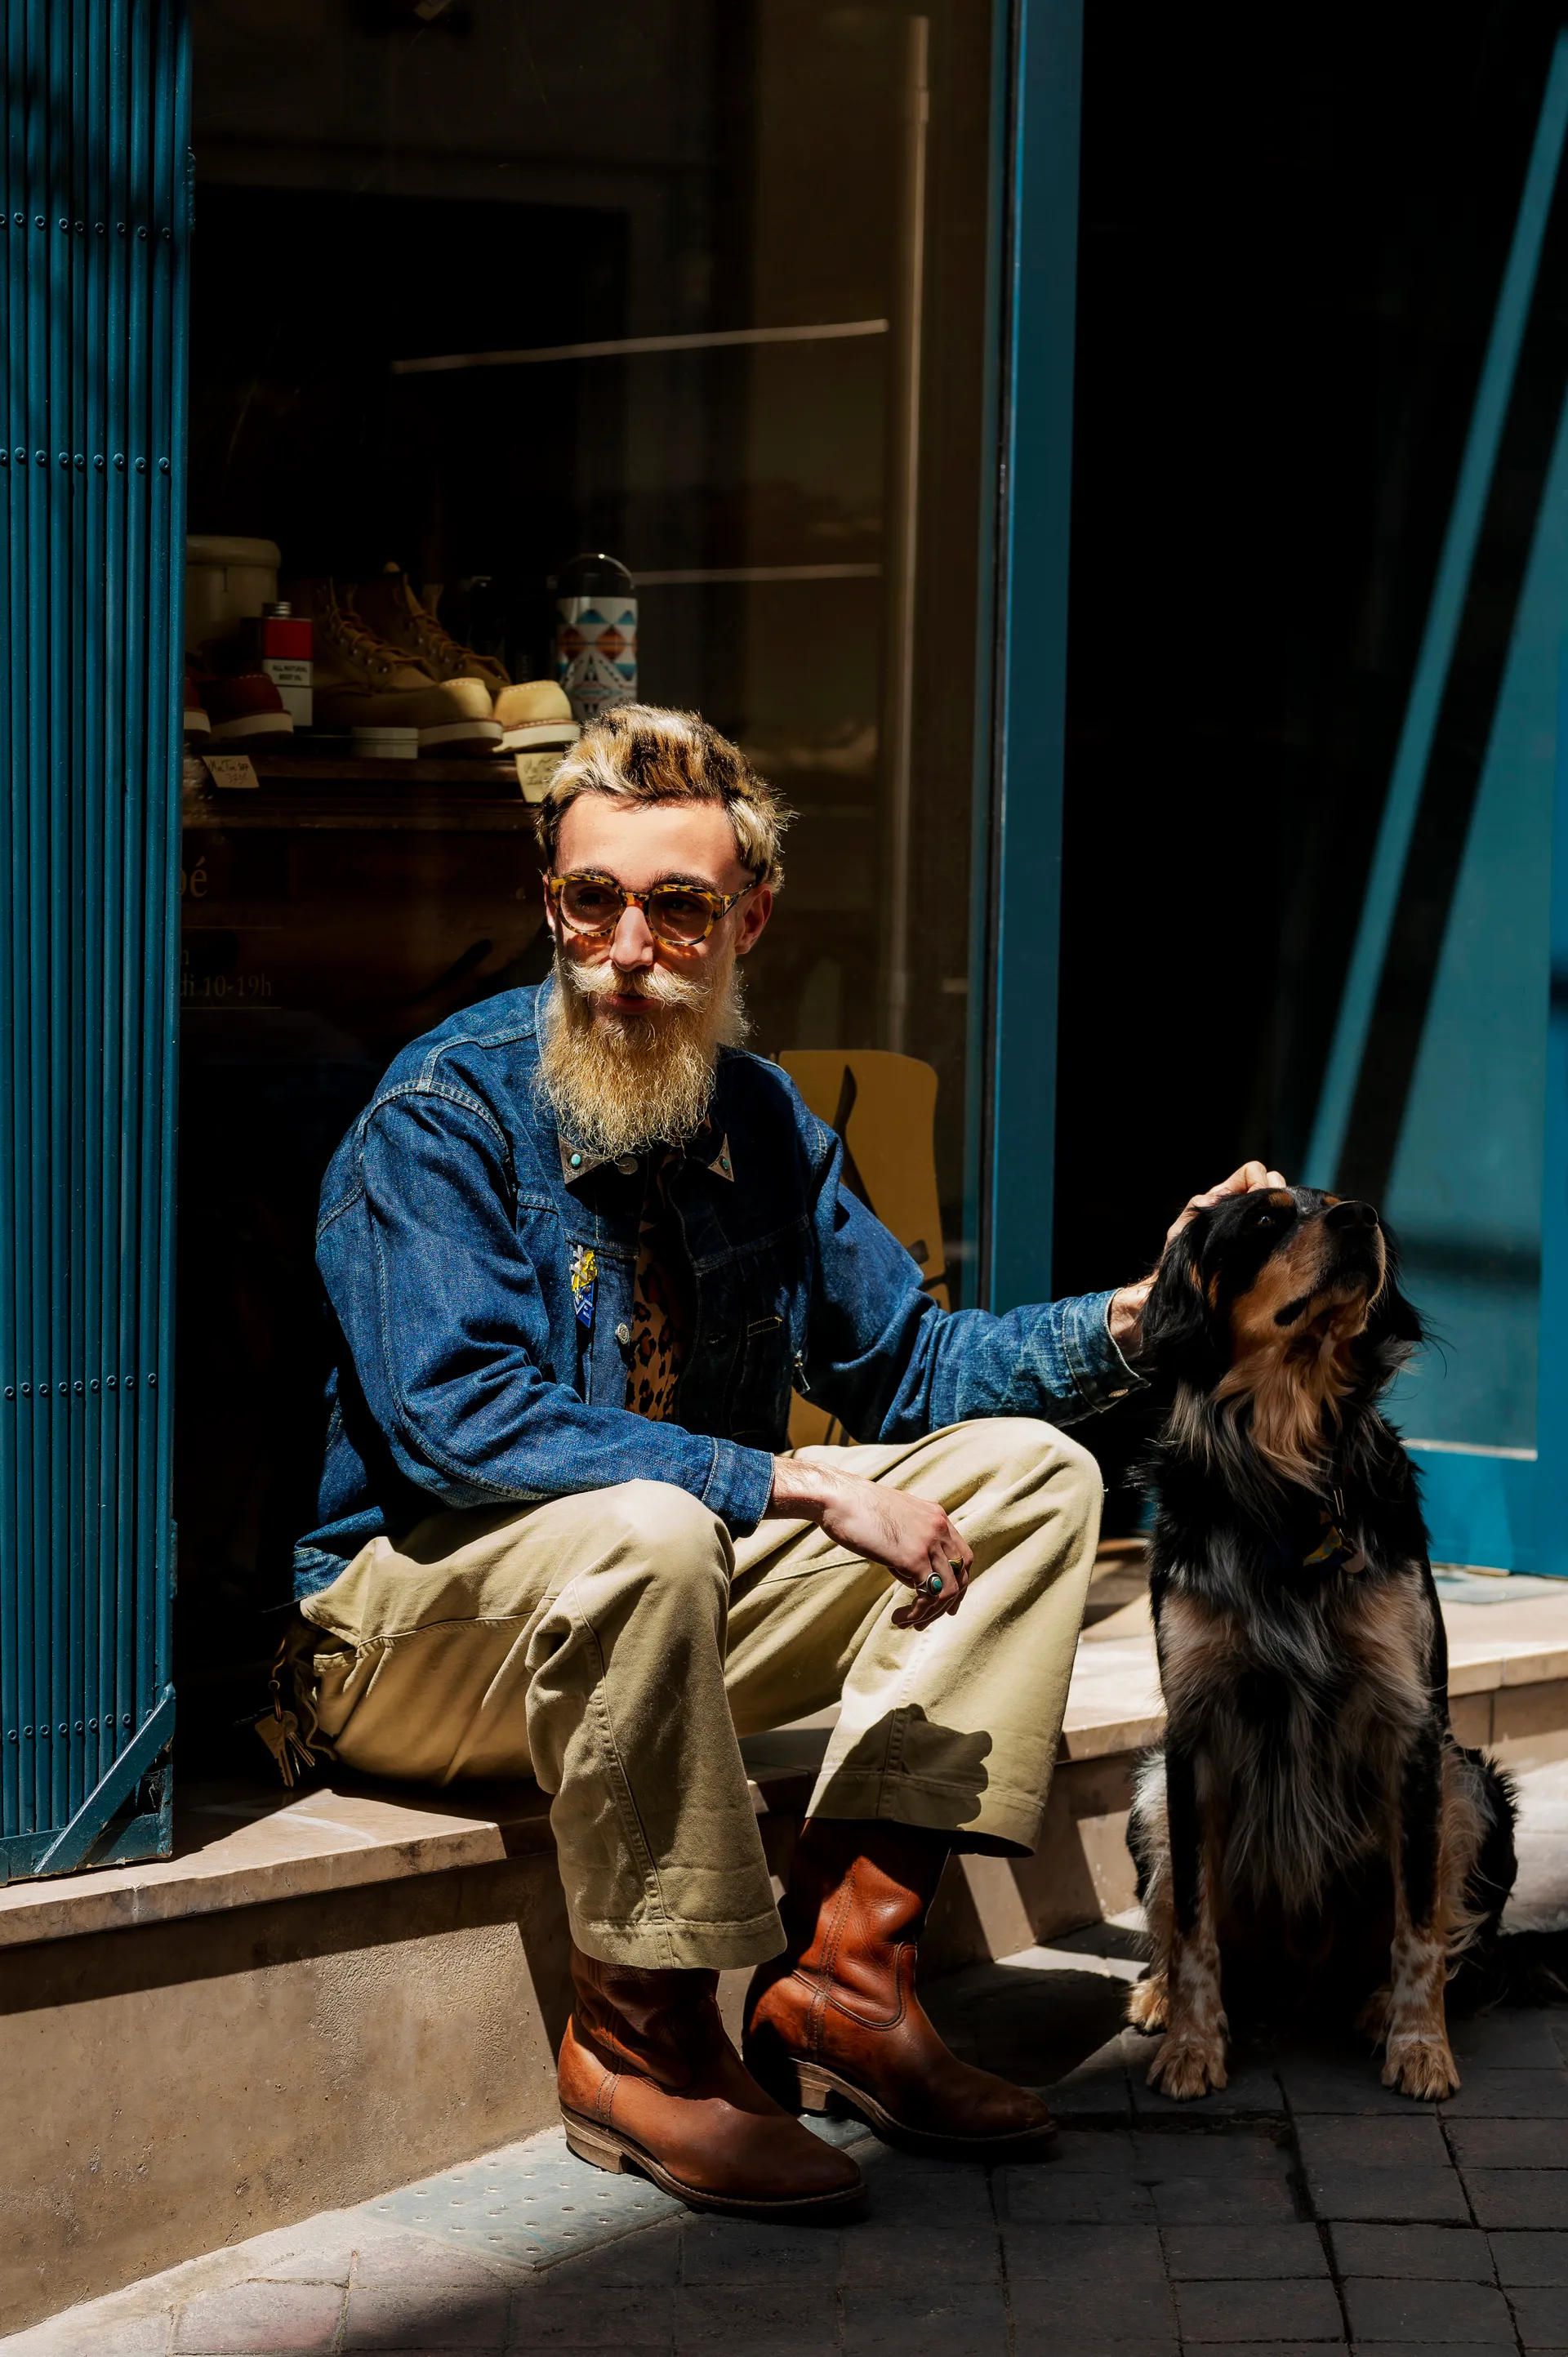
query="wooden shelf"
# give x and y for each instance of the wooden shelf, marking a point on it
(482, 768)
(316, 792)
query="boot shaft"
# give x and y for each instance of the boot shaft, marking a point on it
(664, 2024)
(865, 1884)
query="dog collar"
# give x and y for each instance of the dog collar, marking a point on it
(1323, 1548)
(1334, 1551)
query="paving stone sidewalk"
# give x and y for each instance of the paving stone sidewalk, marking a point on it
(1303, 2209)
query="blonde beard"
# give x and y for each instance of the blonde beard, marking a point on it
(620, 1083)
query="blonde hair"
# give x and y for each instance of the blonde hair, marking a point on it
(638, 753)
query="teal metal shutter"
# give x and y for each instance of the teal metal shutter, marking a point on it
(96, 226)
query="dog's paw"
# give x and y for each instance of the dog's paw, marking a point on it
(1372, 2021)
(1148, 2003)
(1422, 2065)
(1185, 2067)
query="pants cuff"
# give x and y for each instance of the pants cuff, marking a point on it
(674, 1945)
(1015, 1817)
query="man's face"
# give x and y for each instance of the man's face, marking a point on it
(641, 846)
(630, 1046)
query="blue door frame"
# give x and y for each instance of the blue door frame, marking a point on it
(96, 217)
(1016, 924)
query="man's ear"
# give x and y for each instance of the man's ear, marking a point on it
(753, 918)
(1178, 1321)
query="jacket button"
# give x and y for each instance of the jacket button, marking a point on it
(625, 1163)
(623, 1335)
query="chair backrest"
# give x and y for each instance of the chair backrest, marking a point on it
(883, 1107)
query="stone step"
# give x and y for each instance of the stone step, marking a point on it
(326, 1994)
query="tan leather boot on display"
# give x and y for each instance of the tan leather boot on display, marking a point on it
(648, 2081)
(837, 2015)
(361, 682)
(388, 605)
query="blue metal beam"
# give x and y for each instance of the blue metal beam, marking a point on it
(1039, 294)
(1550, 1486)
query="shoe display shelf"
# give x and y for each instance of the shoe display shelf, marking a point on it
(317, 791)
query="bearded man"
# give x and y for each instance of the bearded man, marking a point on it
(578, 1251)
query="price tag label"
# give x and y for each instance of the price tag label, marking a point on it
(229, 770)
(534, 771)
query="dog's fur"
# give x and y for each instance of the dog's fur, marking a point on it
(1309, 1832)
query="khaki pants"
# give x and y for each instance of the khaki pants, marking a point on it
(614, 1645)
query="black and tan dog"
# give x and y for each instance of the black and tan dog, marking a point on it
(1310, 1835)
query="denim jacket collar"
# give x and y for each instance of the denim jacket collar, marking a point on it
(577, 1163)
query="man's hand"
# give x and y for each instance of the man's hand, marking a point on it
(1126, 1319)
(910, 1536)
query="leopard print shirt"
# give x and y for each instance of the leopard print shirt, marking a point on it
(658, 1322)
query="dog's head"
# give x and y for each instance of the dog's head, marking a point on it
(1278, 1311)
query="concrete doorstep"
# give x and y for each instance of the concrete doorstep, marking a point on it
(326, 1995)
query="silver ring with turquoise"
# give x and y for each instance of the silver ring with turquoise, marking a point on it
(933, 1583)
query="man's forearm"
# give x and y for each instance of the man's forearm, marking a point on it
(1125, 1316)
(800, 1491)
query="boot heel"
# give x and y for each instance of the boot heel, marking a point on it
(811, 2088)
(596, 2149)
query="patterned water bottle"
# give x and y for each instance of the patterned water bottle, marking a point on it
(595, 635)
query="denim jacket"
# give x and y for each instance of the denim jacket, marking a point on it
(469, 1373)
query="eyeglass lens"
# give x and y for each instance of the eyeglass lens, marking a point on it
(675, 914)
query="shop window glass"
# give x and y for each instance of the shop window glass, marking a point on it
(479, 288)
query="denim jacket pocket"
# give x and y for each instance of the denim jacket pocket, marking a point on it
(763, 1379)
(760, 1414)
(554, 1340)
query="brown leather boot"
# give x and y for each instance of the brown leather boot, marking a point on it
(648, 2080)
(837, 2013)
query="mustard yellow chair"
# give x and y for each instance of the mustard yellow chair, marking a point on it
(883, 1107)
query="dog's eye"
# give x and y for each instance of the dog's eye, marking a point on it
(1267, 1220)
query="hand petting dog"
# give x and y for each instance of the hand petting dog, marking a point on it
(1125, 1320)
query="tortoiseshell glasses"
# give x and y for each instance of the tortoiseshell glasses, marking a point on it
(679, 915)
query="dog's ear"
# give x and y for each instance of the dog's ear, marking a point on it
(1178, 1327)
(1394, 1328)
